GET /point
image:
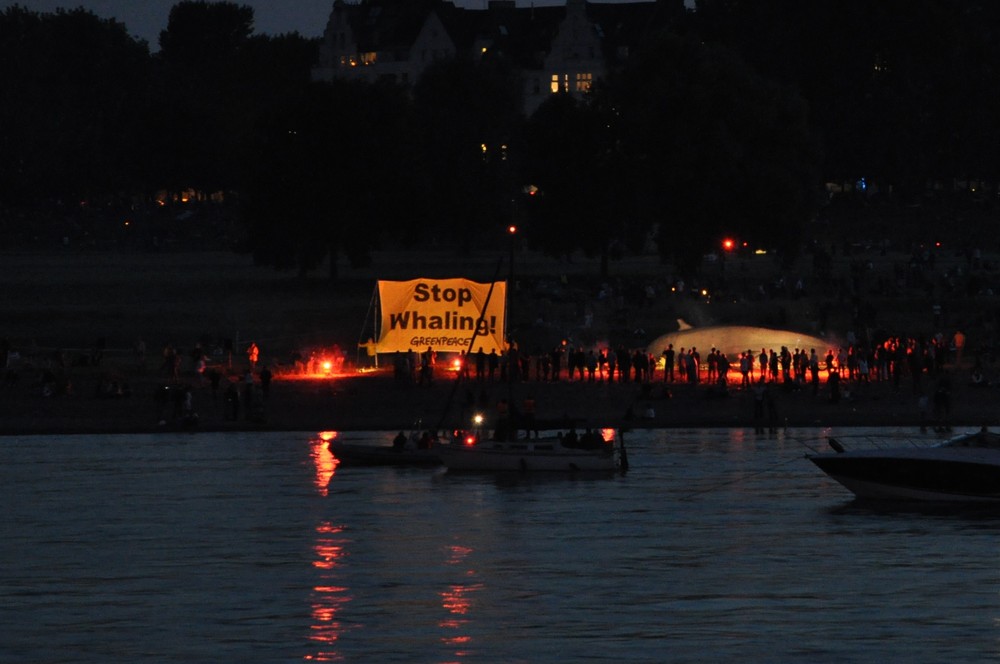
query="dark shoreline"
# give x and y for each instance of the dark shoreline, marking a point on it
(376, 402)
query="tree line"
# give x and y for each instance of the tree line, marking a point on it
(726, 121)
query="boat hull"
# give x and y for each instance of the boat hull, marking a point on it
(527, 456)
(930, 476)
(357, 454)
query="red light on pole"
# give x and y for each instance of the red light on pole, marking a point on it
(728, 244)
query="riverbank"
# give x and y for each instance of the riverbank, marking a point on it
(61, 310)
(376, 401)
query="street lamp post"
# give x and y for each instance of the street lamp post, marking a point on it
(511, 231)
(511, 433)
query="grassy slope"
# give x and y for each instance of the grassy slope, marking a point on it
(69, 299)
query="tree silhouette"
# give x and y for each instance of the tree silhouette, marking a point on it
(196, 111)
(584, 197)
(715, 150)
(329, 176)
(71, 105)
(469, 115)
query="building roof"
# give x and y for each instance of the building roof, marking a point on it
(522, 34)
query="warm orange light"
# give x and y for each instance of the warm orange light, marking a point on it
(470, 440)
(327, 366)
(512, 229)
(728, 244)
(326, 464)
(456, 600)
(328, 597)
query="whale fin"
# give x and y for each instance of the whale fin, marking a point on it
(683, 325)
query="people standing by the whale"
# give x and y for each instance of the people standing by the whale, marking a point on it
(723, 368)
(624, 364)
(814, 371)
(668, 364)
(713, 367)
(745, 363)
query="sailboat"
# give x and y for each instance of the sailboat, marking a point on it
(476, 450)
(592, 452)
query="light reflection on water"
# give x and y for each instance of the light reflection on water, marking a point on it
(458, 599)
(717, 545)
(328, 597)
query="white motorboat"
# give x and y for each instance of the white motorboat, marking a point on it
(471, 453)
(965, 468)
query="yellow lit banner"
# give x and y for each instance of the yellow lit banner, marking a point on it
(441, 314)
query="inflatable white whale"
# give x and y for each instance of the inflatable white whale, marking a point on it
(735, 339)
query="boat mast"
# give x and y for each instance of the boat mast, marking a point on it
(511, 432)
(472, 341)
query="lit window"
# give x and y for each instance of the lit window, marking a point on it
(560, 83)
(583, 82)
(368, 58)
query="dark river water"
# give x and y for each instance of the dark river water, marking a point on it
(717, 545)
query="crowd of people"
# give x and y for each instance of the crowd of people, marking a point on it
(907, 362)
(890, 360)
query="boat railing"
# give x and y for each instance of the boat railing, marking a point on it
(858, 442)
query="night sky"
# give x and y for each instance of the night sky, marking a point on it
(146, 18)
